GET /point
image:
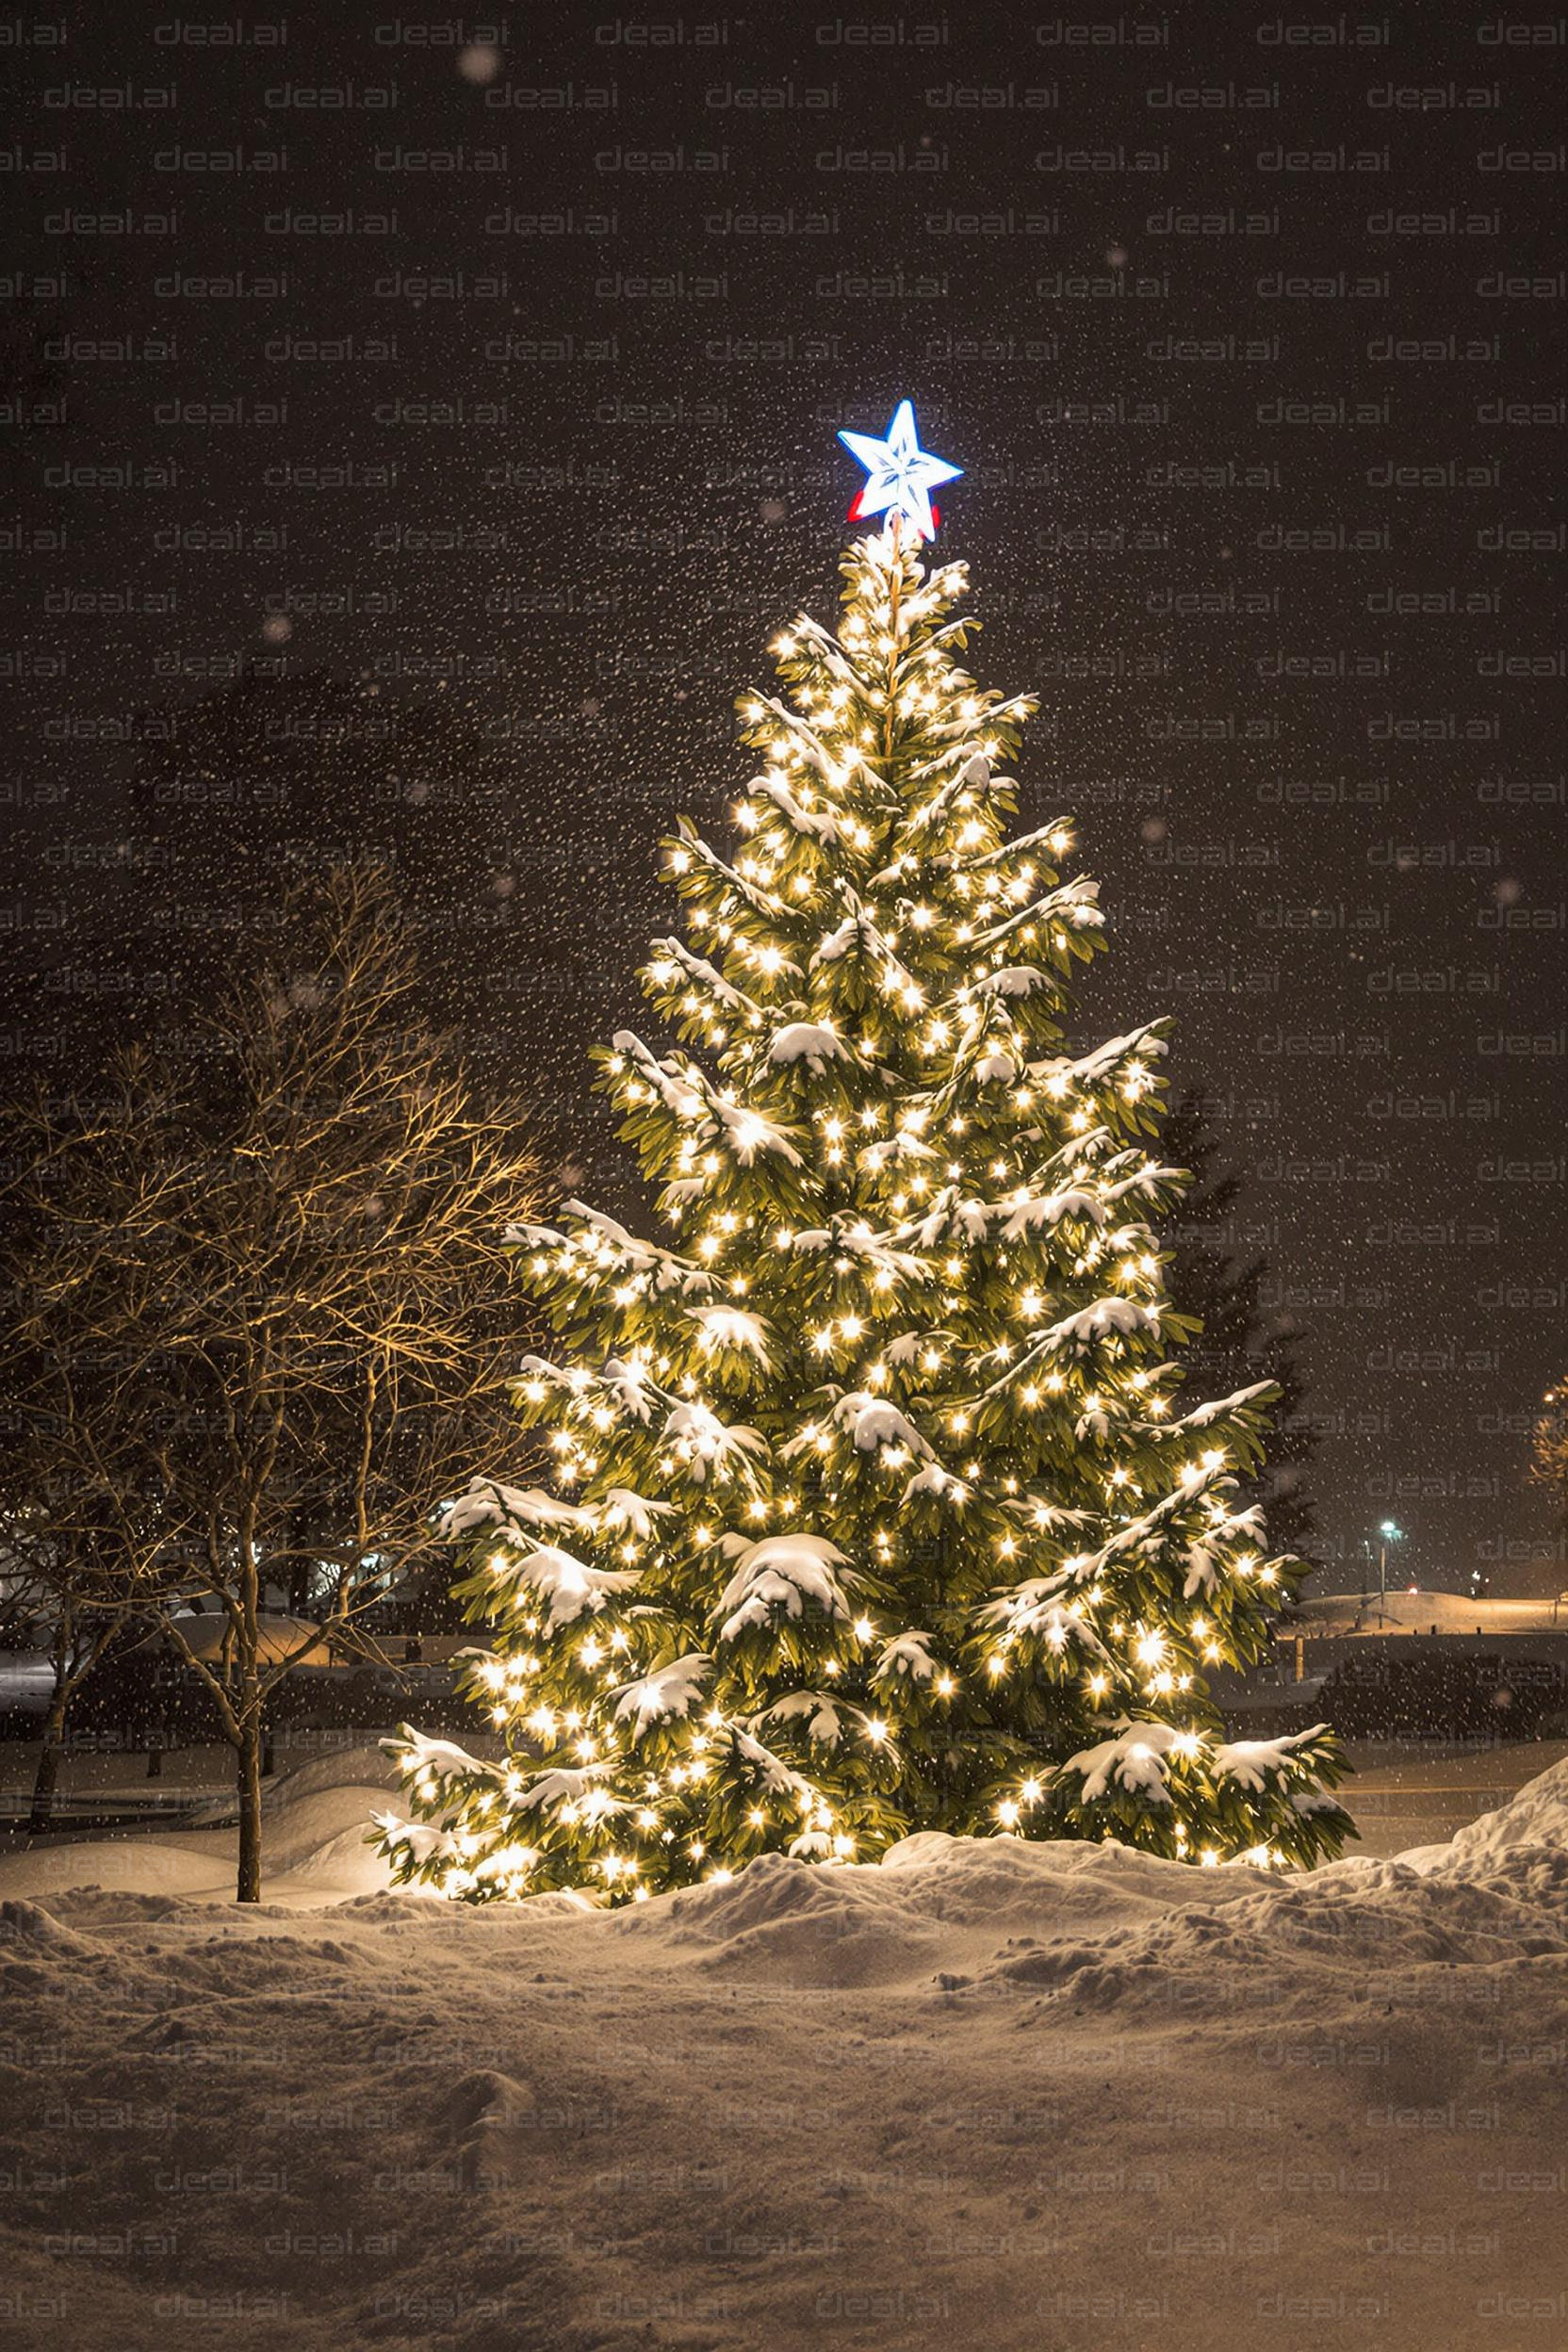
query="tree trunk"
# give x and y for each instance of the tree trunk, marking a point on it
(48, 1774)
(248, 1887)
(54, 1727)
(247, 1708)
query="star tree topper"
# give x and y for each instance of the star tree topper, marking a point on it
(899, 475)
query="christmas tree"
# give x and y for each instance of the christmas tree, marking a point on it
(872, 1504)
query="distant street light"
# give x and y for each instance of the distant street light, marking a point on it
(1390, 1534)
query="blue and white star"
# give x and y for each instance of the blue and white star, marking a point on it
(899, 475)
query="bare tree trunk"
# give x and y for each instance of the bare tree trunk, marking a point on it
(248, 1887)
(48, 1773)
(247, 1710)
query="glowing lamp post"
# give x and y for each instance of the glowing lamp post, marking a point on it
(1390, 1534)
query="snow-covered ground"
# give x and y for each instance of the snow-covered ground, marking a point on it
(1404, 1611)
(986, 2095)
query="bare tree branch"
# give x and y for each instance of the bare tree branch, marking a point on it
(259, 1325)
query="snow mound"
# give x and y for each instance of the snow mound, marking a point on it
(1315, 1939)
(113, 1906)
(345, 1861)
(360, 1766)
(789, 1921)
(992, 1882)
(490, 2122)
(402, 1907)
(932, 1899)
(316, 1820)
(1537, 1815)
(199, 1865)
(486, 2101)
(26, 1927)
(1103, 1925)
(325, 1822)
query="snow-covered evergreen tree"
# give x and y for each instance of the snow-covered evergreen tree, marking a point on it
(872, 1504)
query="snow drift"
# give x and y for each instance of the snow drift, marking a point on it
(984, 2093)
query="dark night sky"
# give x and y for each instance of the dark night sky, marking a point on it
(407, 349)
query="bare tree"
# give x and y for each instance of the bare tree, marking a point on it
(294, 1241)
(51, 1598)
(84, 1517)
(1549, 1447)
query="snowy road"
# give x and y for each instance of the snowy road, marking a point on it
(1405, 1796)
